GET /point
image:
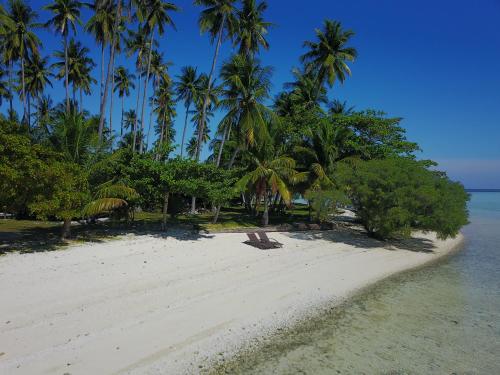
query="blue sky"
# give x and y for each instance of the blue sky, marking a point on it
(434, 63)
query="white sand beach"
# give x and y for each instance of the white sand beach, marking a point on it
(167, 305)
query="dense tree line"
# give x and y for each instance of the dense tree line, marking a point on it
(61, 161)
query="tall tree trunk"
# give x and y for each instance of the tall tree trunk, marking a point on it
(29, 111)
(233, 157)
(112, 96)
(121, 122)
(10, 87)
(193, 205)
(216, 216)
(146, 79)
(185, 127)
(265, 215)
(222, 145)
(66, 73)
(103, 49)
(66, 229)
(111, 58)
(155, 80)
(23, 88)
(207, 95)
(165, 211)
(137, 107)
(81, 100)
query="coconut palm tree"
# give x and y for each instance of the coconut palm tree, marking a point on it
(268, 175)
(187, 90)
(76, 59)
(37, 77)
(157, 17)
(44, 113)
(100, 25)
(123, 84)
(328, 56)
(336, 107)
(7, 26)
(4, 87)
(219, 20)
(21, 42)
(114, 43)
(247, 86)
(138, 43)
(305, 92)
(252, 29)
(66, 14)
(165, 109)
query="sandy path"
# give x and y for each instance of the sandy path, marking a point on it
(146, 305)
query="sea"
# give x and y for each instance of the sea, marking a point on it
(441, 319)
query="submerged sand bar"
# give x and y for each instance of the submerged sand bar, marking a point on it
(166, 305)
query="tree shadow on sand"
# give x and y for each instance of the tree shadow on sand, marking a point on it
(357, 237)
(33, 240)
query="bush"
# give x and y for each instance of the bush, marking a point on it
(324, 203)
(396, 195)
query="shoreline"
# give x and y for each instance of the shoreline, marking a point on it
(150, 305)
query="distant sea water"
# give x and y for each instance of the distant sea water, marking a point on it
(442, 319)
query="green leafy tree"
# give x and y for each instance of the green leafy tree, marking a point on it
(394, 196)
(252, 28)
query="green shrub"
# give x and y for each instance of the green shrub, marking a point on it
(396, 195)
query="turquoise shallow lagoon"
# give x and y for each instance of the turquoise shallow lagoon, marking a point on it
(442, 319)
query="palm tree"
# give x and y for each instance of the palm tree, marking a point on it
(7, 26)
(187, 90)
(100, 25)
(336, 107)
(159, 73)
(165, 110)
(66, 13)
(247, 85)
(305, 93)
(44, 113)
(123, 84)
(37, 77)
(252, 28)
(219, 20)
(76, 59)
(327, 57)
(114, 42)
(21, 42)
(157, 18)
(137, 42)
(269, 175)
(4, 87)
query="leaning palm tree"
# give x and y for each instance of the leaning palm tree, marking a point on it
(157, 17)
(269, 175)
(187, 90)
(110, 197)
(66, 14)
(38, 76)
(123, 84)
(21, 42)
(219, 20)
(328, 56)
(252, 28)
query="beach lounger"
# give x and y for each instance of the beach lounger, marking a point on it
(272, 244)
(263, 243)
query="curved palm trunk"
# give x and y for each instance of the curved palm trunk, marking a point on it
(233, 157)
(146, 79)
(111, 59)
(265, 215)
(155, 83)
(81, 100)
(134, 131)
(66, 75)
(210, 80)
(185, 127)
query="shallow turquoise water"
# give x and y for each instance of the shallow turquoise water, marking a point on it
(443, 319)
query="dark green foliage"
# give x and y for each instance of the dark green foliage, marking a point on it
(395, 195)
(324, 203)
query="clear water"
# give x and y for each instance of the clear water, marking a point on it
(443, 319)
